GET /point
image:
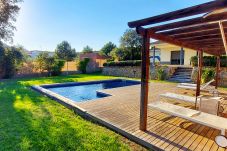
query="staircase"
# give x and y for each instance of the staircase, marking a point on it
(182, 75)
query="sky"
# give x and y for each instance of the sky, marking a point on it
(42, 24)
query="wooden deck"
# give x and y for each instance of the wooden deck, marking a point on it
(120, 112)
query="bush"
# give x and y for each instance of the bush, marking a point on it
(52, 65)
(83, 64)
(209, 61)
(208, 74)
(161, 74)
(57, 67)
(123, 63)
(10, 62)
(194, 61)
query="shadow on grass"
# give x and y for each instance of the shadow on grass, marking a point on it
(30, 121)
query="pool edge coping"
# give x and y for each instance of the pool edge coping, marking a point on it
(87, 115)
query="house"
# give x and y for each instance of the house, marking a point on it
(171, 54)
(96, 61)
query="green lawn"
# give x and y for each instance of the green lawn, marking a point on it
(30, 121)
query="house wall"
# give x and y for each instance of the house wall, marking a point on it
(166, 53)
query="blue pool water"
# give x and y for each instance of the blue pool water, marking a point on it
(80, 92)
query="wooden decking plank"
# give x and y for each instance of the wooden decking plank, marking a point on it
(199, 138)
(168, 137)
(137, 125)
(122, 110)
(179, 139)
(174, 137)
(210, 142)
(166, 131)
(205, 140)
(194, 136)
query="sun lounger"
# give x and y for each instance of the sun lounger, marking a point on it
(179, 97)
(203, 101)
(204, 87)
(194, 85)
(203, 118)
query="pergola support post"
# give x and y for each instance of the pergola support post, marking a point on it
(154, 56)
(181, 55)
(144, 81)
(200, 66)
(218, 65)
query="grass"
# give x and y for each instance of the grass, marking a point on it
(30, 121)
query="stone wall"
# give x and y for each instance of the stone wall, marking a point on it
(135, 71)
(223, 76)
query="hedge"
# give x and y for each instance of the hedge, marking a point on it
(209, 61)
(123, 63)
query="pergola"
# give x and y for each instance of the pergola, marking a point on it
(201, 28)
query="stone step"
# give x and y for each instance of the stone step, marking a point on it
(183, 77)
(181, 80)
(182, 74)
(183, 69)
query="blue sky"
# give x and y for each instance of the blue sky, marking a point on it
(42, 24)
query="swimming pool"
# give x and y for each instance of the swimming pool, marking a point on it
(84, 91)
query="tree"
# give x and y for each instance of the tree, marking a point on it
(87, 49)
(8, 11)
(10, 61)
(132, 42)
(52, 65)
(119, 54)
(107, 48)
(65, 52)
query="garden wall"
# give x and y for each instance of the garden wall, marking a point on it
(223, 76)
(44, 74)
(135, 71)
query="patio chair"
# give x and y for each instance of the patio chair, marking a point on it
(199, 117)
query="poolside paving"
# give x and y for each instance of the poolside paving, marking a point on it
(120, 111)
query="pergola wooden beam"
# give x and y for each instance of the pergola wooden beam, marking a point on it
(194, 29)
(202, 34)
(201, 37)
(190, 22)
(223, 35)
(173, 41)
(194, 10)
(200, 29)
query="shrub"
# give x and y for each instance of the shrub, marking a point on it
(194, 61)
(57, 67)
(123, 63)
(208, 74)
(52, 65)
(83, 65)
(209, 61)
(10, 62)
(161, 74)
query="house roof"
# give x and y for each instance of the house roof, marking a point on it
(204, 33)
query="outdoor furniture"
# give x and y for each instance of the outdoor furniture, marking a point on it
(204, 87)
(180, 97)
(203, 118)
(206, 103)
(209, 105)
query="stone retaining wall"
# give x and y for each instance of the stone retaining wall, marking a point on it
(223, 76)
(135, 71)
